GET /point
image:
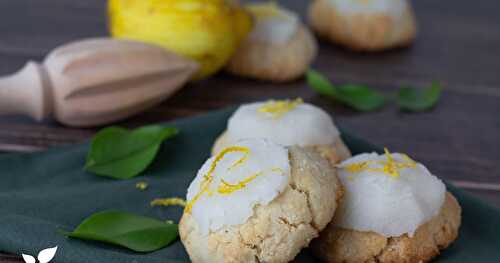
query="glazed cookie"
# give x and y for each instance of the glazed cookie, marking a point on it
(394, 210)
(364, 25)
(287, 122)
(280, 48)
(257, 201)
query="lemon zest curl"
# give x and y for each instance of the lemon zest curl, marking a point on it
(168, 202)
(278, 108)
(141, 185)
(224, 187)
(389, 167)
(227, 188)
(208, 177)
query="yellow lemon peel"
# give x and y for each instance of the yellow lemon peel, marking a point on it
(357, 167)
(243, 159)
(389, 167)
(141, 186)
(278, 170)
(208, 178)
(224, 187)
(168, 202)
(279, 108)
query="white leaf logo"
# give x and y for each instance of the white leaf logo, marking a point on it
(45, 256)
(29, 259)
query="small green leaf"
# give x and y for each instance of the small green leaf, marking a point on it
(413, 99)
(320, 83)
(358, 97)
(138, 233)
(122, 154)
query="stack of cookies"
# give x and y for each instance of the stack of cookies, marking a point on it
(281, 179)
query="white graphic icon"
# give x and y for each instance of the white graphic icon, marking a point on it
(45, 256)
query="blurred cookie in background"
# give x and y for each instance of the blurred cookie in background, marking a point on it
(364, 25)
(279, 48)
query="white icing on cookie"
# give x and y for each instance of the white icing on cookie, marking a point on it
(273, 24)
(388, 194)
(229, 185)
(391, 7)
(285, 122)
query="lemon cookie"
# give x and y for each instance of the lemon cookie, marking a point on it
(364, 25)
(287, 122)
(394, 210)
(279, 48)
(257, 201)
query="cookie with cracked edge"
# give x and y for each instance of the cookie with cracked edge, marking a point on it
(287, 122)
(278, 231)
(334, 153)
(363, 31)
(345, 245)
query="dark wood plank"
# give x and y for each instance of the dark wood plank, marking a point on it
(443, 50)
(458, 44)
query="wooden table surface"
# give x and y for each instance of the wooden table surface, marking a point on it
(458, 44)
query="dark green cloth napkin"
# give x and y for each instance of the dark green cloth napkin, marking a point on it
(43, 192)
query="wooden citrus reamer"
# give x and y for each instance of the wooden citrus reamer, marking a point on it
(94, 82)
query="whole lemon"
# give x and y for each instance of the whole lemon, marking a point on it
(207, 31)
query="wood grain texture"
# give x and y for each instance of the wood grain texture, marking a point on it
(458, 44)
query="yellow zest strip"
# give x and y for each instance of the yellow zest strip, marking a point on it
(390, 167)
(278, 170)
(243, 159)
(208, 178)
(280, 107)
(410, 162)
(141, 186)
(168, 202)
(227, 188)
(357, 167)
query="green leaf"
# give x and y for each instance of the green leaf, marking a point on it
(138, 233)
(414, 99)
(320, 83)
(358, 97)
(122, 154)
